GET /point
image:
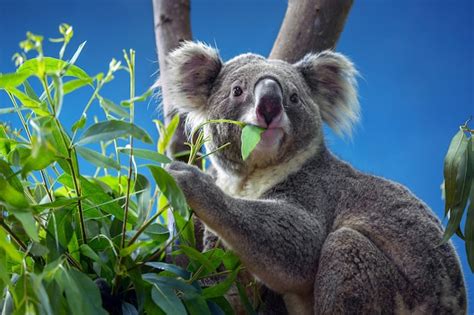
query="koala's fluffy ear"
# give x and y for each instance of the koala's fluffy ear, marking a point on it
(191, 70)
(332, 80)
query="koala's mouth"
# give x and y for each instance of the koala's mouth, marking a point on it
(271, 138)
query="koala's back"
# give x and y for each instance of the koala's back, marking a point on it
(404, 232)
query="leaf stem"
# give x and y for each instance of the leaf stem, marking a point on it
(17, 240)
(131, 68)
(77, 185)
(198, 272)
(147, 223)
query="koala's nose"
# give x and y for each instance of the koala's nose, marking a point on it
(268, 98)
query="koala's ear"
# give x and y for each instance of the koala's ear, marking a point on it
(191, 70)
(332, 80)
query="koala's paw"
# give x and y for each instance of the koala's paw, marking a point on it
(196, 185)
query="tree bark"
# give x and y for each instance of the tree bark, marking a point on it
(310, 26)
(172, 26)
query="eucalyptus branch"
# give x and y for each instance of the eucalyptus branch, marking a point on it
(17, 240)
(131, 69)
(13, 235)
(77, 184)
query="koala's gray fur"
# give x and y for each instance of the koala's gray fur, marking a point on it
(328, 238)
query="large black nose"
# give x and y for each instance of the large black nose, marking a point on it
(268, 98)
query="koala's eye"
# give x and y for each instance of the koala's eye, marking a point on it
(294, 98)
(237, 91)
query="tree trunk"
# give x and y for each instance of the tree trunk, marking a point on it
(172, 26)
(310, 26)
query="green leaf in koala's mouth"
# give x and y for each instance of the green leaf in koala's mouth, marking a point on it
(249, 139)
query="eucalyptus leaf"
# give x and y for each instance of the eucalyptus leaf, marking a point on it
(109, 106)
(173, 283)
(51, 66)
(39, 108)
(166, 299)
(171, 268)
(136, 99)
(97, 197)
(11, 196)
(72, 85)
(82, 294)
(29, 224)
(222, 287)
(453, 164)
(80, 123)
(58, 94)
(166, 132)
(170, 189)
(194, 255)
(12, 80)
(97, 158)
(76, 54)
(8, 247)
(469, 231)
(196, 305)
(250, 137)
(113, 129)
(147, 154)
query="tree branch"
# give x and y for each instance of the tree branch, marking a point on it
(310, 26)
(172, 26)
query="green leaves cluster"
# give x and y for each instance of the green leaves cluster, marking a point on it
(69, 239)
(459, 188)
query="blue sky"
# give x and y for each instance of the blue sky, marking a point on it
(416, 59)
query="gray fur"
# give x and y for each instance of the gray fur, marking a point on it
(328, 238)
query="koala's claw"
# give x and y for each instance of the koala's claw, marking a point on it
(192, 181)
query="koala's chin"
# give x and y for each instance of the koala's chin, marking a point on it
(271, 139)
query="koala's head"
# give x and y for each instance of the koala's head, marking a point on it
(290, 100)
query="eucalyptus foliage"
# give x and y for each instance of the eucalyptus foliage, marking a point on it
(458, 188)
(74, 243)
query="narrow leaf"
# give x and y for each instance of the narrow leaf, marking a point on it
(39, 108)
(9, 248)
(147, 154)
(11, 196)
(167, 300)
(109, 106)
(171, 268)
(77, 53)
(113, 129)
(97, 158)
(250, 137)
(455, 153)
(222, 287)
(75, 84)
(12, 80)
(170, 189)
(199, 257)
(52, 66)
(136, 99)
(29, 224)
(80, 123)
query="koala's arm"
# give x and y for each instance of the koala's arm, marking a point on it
(278, 241)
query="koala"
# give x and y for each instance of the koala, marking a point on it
(326, 237)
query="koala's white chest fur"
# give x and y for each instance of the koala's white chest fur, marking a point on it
(261, 180)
